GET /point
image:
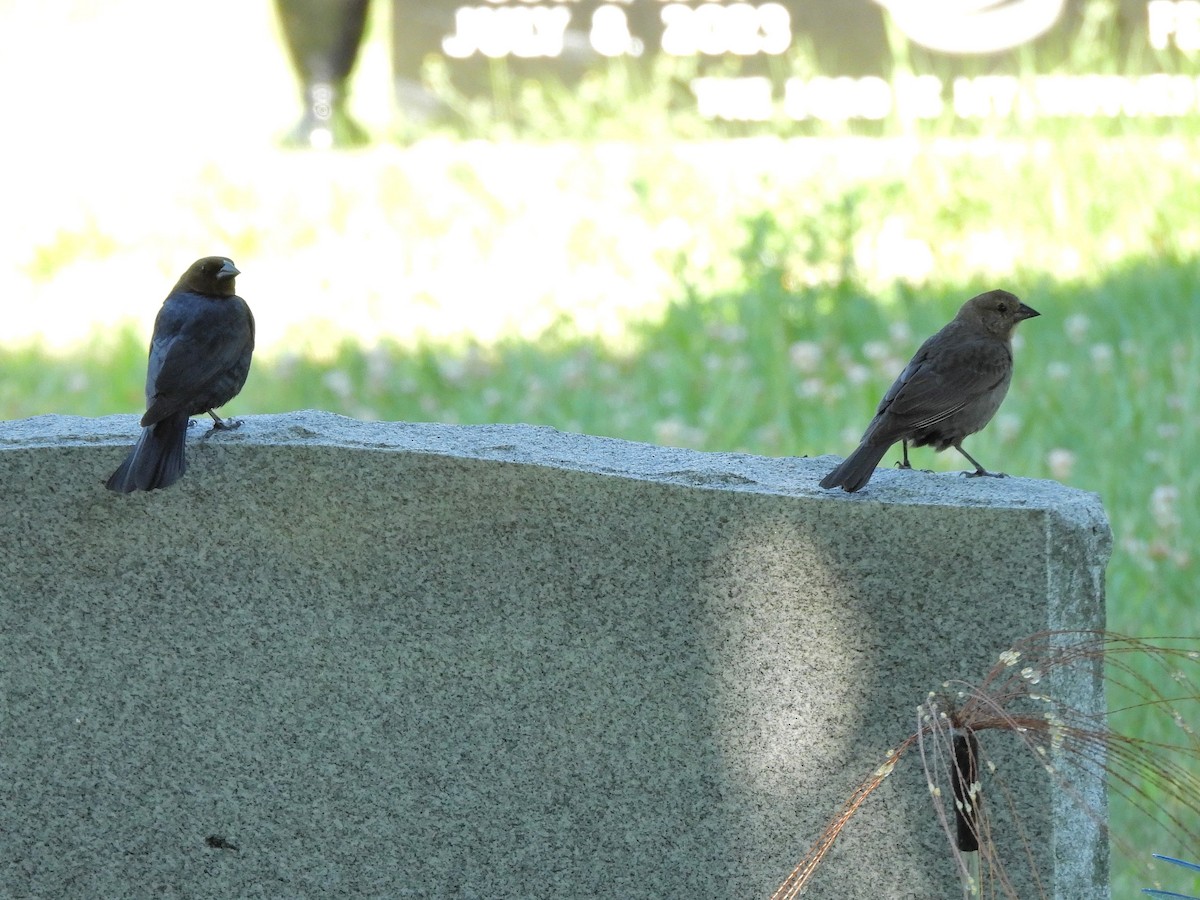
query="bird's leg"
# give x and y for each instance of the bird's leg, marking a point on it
(230, 424)
(979, 470)
(904, 463)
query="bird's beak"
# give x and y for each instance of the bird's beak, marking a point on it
(1026, 312)
(229, 270)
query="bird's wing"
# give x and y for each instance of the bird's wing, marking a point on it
(192, 345)
(941, 379)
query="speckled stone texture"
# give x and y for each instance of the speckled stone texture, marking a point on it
(396, 660)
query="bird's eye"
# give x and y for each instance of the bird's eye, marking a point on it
(1003, 307)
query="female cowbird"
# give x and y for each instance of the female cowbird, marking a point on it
(199, 359)
(950, 389)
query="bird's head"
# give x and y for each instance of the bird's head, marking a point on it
(212, 275)
(996, 312)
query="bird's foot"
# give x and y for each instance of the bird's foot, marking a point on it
(984, 473)
(909, 467)
(220, 424)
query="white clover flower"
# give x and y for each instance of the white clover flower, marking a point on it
(1102, 357)
(856, 374)
(875, 350)
(805, 355)
(810, 387)
(1163, 502)
(900, 332)
(453, 369)
(674, 433)
(1076, 327)
(1007, 426)
(728, 333)
(339, 383)
(1061, 463)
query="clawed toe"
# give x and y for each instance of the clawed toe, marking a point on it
(224, 424)
(984, 473)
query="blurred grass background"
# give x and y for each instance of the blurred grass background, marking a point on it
(589, 271)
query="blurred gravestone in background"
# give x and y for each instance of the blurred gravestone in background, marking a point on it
(323, 38)
(810, 60)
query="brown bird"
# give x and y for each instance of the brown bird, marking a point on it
(199, 358)
(950, 389)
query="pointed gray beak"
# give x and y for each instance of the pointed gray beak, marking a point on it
(1026, 312)
(229, 270)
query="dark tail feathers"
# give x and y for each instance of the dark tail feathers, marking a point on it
(857, 468)
(156, 460)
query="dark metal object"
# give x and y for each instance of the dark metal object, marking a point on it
(965, 780)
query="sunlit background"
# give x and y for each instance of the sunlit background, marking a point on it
(578, 257)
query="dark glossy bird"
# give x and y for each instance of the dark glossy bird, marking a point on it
(199, 358)
(950, 389)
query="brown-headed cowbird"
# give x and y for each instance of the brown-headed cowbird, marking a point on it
(199, 358)
(949, 390)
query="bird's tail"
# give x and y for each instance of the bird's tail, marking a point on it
(857, 468)
(156, 460)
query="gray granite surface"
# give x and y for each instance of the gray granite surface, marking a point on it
(410, 660)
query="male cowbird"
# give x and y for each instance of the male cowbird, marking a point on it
(949, 390)
(199, 359)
